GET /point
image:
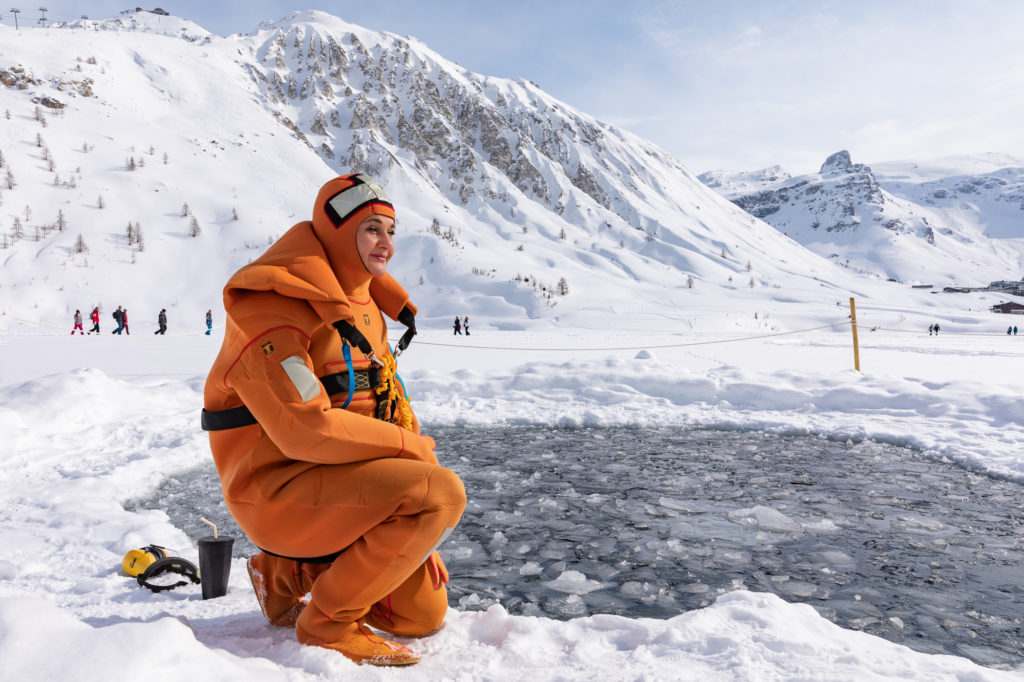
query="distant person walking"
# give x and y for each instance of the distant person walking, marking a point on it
(161, 320)
(936, 329)
(1015, 330)
(95, 317)
(931, 329)
(457, 326)
(465, 324)
(124, 321)
(119, 318)
(209, 322)
(1009, 330)
(78, 324)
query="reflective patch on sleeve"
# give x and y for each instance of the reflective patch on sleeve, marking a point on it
(303, 379)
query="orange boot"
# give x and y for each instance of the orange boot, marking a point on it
(418, 607)
(280, 585)
(353, 640)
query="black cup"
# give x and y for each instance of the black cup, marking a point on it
(215, 565)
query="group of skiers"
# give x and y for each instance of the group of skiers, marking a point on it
(1012, 330)
(462, 326)
(121, 318)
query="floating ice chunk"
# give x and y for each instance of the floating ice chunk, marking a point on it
(917, 524)
(573, 582)
(821, 526)
(677, 505)
(834, 558)
(530, 568)
(694, 588)
(732, 557)
(797, 588)
(765, 518)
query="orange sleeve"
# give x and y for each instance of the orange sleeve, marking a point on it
(306, 427)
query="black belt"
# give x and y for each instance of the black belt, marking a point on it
(235, 417)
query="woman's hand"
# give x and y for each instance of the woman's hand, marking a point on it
(419, 447)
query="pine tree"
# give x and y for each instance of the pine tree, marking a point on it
(184, 209)
(130, 163)
(193, 228)
(234, 214)
(16, 231)
(100, 203)
(130, 233)
(689, 281)
(563, 287)
(9, 179)
(80, 246)
(60, 220)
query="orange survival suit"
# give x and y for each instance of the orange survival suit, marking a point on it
(346, 504)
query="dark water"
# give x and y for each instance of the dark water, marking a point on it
(565, 523)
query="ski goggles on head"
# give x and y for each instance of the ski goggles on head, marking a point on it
(155, 570)
(365, 192)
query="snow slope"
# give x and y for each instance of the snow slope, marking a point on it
(503, 191)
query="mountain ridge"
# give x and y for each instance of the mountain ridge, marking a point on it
(902, 222)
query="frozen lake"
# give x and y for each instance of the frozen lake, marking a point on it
(566, 523)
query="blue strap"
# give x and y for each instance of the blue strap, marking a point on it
(404, 392)
(345, 351)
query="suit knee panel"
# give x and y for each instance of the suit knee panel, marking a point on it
(445, 489)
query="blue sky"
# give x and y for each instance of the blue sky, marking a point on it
(721, 85)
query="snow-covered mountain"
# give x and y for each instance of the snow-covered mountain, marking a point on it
(956, 220)
(211, 147)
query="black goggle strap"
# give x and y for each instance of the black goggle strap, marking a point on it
(169, 565)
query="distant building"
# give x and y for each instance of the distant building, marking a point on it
(957, 290)
(1005, 286)
(1010, 308)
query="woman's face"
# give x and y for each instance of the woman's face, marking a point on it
(375, 243)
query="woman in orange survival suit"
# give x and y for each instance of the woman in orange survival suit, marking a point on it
(319, 455)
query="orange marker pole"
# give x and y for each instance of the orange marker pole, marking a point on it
(853, 326)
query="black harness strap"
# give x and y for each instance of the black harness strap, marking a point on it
(365, 380)
(231, 418)
(236, 417)
(325, 559)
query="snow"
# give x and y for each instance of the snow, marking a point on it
(125, 425)
(88, 423)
